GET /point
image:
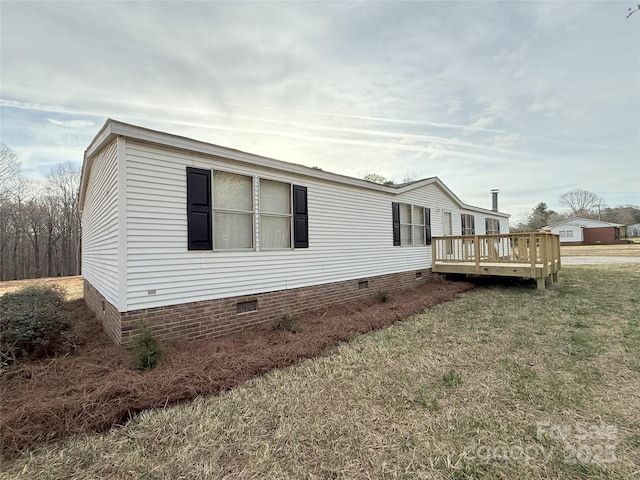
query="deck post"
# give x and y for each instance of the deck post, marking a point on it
(476, 252)
(533, 254)
(433, 254)
(540, 283)
(544, 260)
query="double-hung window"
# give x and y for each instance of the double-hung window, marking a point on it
(275, 215)
(405, 225)
(468, 224)
(492, 226)
(418, 225)
(232, 211)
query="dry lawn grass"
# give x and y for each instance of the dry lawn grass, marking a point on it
(453, 393)
(72, 285)
(94, 385)
(626, 250)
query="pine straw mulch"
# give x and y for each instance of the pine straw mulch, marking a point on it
(96, 387)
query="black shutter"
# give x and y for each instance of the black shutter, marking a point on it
(473, 224)
(395, 214)
(427, 226)
(464, 223)
(300, 217)
(497, 223)
(199, 209)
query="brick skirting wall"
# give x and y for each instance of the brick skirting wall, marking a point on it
(103, 310)
(214, 318)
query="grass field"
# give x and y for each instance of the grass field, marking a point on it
(628, 250)
(71, 285)
(504, 382)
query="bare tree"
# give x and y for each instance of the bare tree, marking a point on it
(9, 169)
(9, 186)
(410, 177)
(582, 203)
(62, 187)
(39, 224)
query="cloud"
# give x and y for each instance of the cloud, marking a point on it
(483, 94)
(548, 106)
(506, 141)
(71, 123)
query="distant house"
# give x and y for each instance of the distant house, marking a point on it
(198, 240)
(584, 231)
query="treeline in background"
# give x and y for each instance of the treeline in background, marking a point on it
(39, 221)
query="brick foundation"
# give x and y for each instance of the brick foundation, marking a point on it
(103, 310)
(214, 318)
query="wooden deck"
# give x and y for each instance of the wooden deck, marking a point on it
(527, 255)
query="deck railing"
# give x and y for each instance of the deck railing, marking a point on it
(537, 252)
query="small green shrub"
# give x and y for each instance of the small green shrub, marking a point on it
(384, 296)
(147, 350)
(32, 322)
(286, 321)
(451, 378)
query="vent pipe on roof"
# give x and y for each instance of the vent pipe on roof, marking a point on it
(494, 199)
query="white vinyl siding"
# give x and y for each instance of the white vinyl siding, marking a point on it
(100, 225)
(350, 233)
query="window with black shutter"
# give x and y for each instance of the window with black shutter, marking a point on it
(199, 209)
(411, 225)
(300, 217)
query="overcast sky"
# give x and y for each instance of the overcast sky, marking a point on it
(534, 98)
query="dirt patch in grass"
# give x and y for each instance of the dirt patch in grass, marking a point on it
(96, 387)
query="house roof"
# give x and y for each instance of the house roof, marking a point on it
(113, 129)
(581, 222)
